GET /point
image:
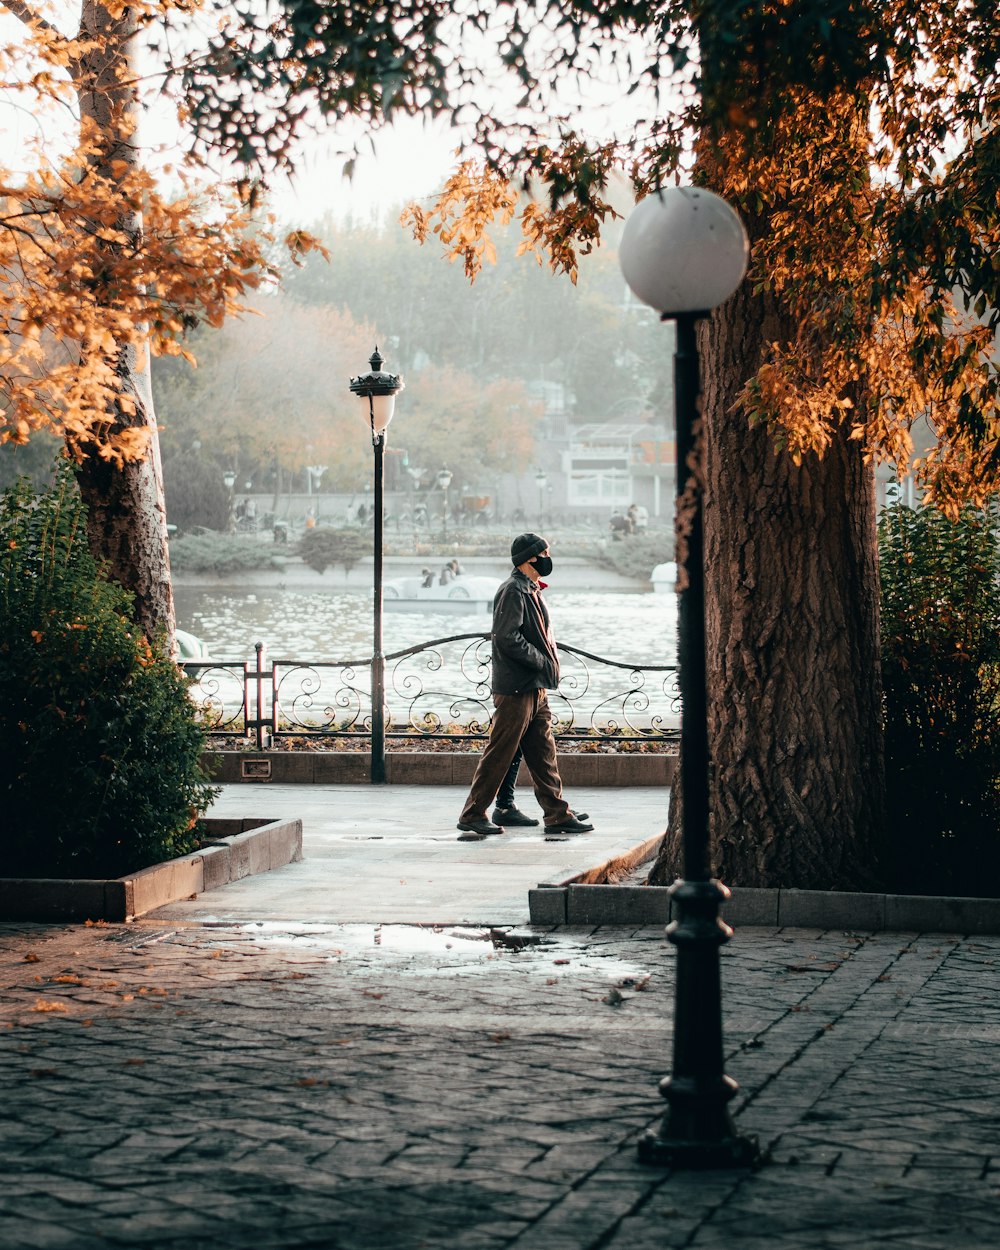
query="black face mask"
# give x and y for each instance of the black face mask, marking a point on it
(543, 564)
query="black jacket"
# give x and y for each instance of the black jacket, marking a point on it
(524, 647)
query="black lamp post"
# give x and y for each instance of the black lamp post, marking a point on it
(684, 251)
(229, 481)
(541, 481)
(444, 481)
(380, 390)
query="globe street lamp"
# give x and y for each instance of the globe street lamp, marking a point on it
(444, 477)
(380, 390)
(684, 251)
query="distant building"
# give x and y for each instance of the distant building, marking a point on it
(614, 464)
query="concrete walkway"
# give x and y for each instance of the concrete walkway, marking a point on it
(391, 854)
(252, 1074)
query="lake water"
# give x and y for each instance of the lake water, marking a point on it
(332, 625)
(328, 636)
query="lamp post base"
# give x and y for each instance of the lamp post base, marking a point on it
(727, 1152)
(697, 1131)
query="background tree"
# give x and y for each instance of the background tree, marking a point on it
(481, 428)
(270, 393)
(196, 495)
(518, 321)
(270, 396)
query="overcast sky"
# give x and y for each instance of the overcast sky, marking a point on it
(410, 161)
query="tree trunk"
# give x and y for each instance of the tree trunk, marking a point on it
(794, 687)
(127, 524)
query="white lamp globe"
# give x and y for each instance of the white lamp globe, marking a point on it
(683, 250)
(382, 409)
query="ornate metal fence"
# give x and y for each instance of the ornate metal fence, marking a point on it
(437, 689)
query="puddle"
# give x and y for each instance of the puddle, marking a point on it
(440, 950)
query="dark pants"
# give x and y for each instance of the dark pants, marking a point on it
(525, 721)
(505, 795)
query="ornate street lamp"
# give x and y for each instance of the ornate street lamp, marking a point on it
(380, 390)
(444, 477)
(684, 251)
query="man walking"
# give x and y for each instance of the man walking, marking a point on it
(525, 665)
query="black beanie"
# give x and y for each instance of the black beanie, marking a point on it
(525, 546)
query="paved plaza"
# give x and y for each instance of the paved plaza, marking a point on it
(225, 1082)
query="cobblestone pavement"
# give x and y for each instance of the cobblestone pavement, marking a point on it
(359, 1087)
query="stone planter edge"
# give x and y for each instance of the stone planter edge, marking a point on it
(239, 848)
(578, 901)
(433, 768)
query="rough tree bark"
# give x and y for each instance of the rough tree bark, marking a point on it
(127, 523)
(792, 635)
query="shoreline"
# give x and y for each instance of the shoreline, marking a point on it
(572, 574)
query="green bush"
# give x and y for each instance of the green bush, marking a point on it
(221, 554)
(636, 555)
(324, 546)
(99, 746)
(941, 674)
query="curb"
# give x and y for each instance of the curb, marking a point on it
(578, 902)
(239, 848)
(427, 768)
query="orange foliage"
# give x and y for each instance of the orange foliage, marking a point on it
(473, 198)
(476, 196)
(238, 403)
(99, 267)
(874, 354)
(453, 418)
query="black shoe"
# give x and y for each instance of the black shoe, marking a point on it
(511, 816)
(476, 830)
(570, 825)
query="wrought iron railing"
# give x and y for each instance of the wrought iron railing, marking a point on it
(436, 689)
